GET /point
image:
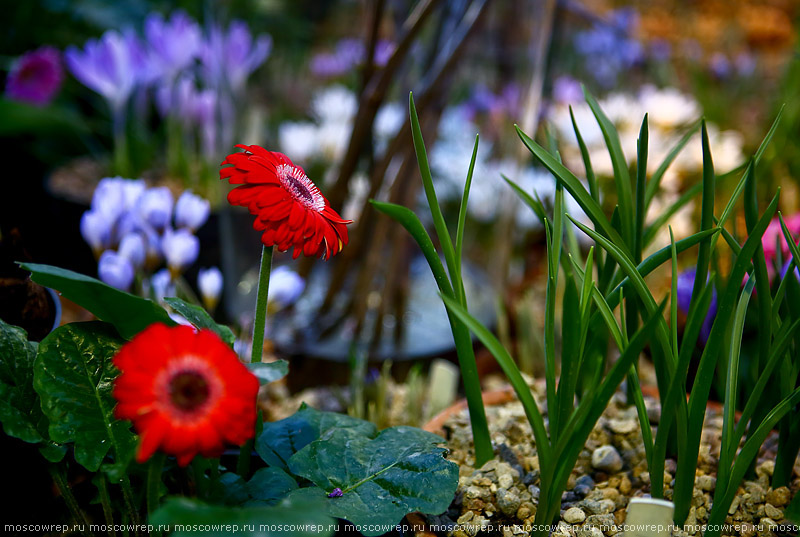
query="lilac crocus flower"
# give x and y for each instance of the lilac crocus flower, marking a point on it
(161, 285)
(720, 65)
(191, 211)
(685, 287)
(96, 230)
(285, 286)
(205, 115)
(132, 247)
(35, 77)
(115, 196)
(567, 90)
(112, 65)
(174, 43)
(177, 98)
(115, 270)
(209, 281)
(155, 206)
(229, 57)
(180, 249)
(383, 52)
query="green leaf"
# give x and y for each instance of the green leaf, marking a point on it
(291, 518)
(462, 218)
(200, 318)
(20, 119)
(20, 412)
(594, 190)
(269, 371)
(400, 471)
(281, 439)
(73, 375)
(270, 485)
(655, 179)
(128, 313)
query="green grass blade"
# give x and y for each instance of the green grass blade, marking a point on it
(535, 204)
(728, 446)
(574, 186)
(509, 367)
(768, 138)
(594, 190)
(655, 179)
(430, 193)
(462, 218)
(622, 178)
(641, 184)
(550, 329)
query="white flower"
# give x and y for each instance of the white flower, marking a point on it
(285, 286)
(115, 270)
(333, 139)
(668, 108)
(388, 121)
(209, 281)
(96, 230)
(191, 211)
(180, 249)
(132, 248)
(155, 206)
(335, 104)
(299, 139)
(161, 285)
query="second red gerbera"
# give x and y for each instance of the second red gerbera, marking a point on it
(186, 393)
(290, 210)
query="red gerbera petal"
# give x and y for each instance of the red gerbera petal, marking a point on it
(288, 206)
(186, 392)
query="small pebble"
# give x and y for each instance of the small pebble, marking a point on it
(574, 515)
(623, 426)
(772, 511)
(607, 459)
(779, 497)
(705, 482)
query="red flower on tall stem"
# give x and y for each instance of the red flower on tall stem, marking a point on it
(186, 393)
(289, 208)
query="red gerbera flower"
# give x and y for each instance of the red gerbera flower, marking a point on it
(289, 208)
(186, 392)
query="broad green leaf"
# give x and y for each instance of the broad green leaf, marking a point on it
(280, 440)
(290, 518)
(128, 313)
(20, 412)
(73, 375)
(382, 479)
(200, 318)
(270, 485)
(269, 371)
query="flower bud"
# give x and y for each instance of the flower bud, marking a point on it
(161, 285)
(285, 286)
(96, 230)
(132, 248)
(191, 211)
(115, 270)
(180, 249)
(209, 281)
(155, 206)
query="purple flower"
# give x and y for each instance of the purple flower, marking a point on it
(115, 270)
(191, 211)
(177, 98)
(336, 493)
(180, 249)
(96, 230)
(567, 90)
(174, 44)
(660, 50)
(205, 114)
(35, 77)
(745, 64)
(209, 281)
(327, 64)
(132, 247)
(112, 66)
(231, 56)
(785, 269)
(115, 196)
(685, 287)
(285, 286)
(155, 206)
(720, 65)
(383, 52)
(161, 285)
(610, 48)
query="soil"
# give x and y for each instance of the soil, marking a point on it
(28, 305)
(610, 470)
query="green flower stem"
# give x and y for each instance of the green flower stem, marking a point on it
(261, 304)
(105, 501)
(60, 479)
(154, 469)
(243, 462)
(121, 159)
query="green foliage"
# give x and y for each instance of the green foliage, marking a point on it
(73, 375)
(20, 412)
(269, 371)
(128, 313)
(201, 319)
(294, 517)
(453, 286)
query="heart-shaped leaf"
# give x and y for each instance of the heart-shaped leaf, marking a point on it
(270, 485)
(290, 518)
(128, 313)
(200, 318)
(280, 440)
(73, 375)
(20, 412)
(382, 479)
